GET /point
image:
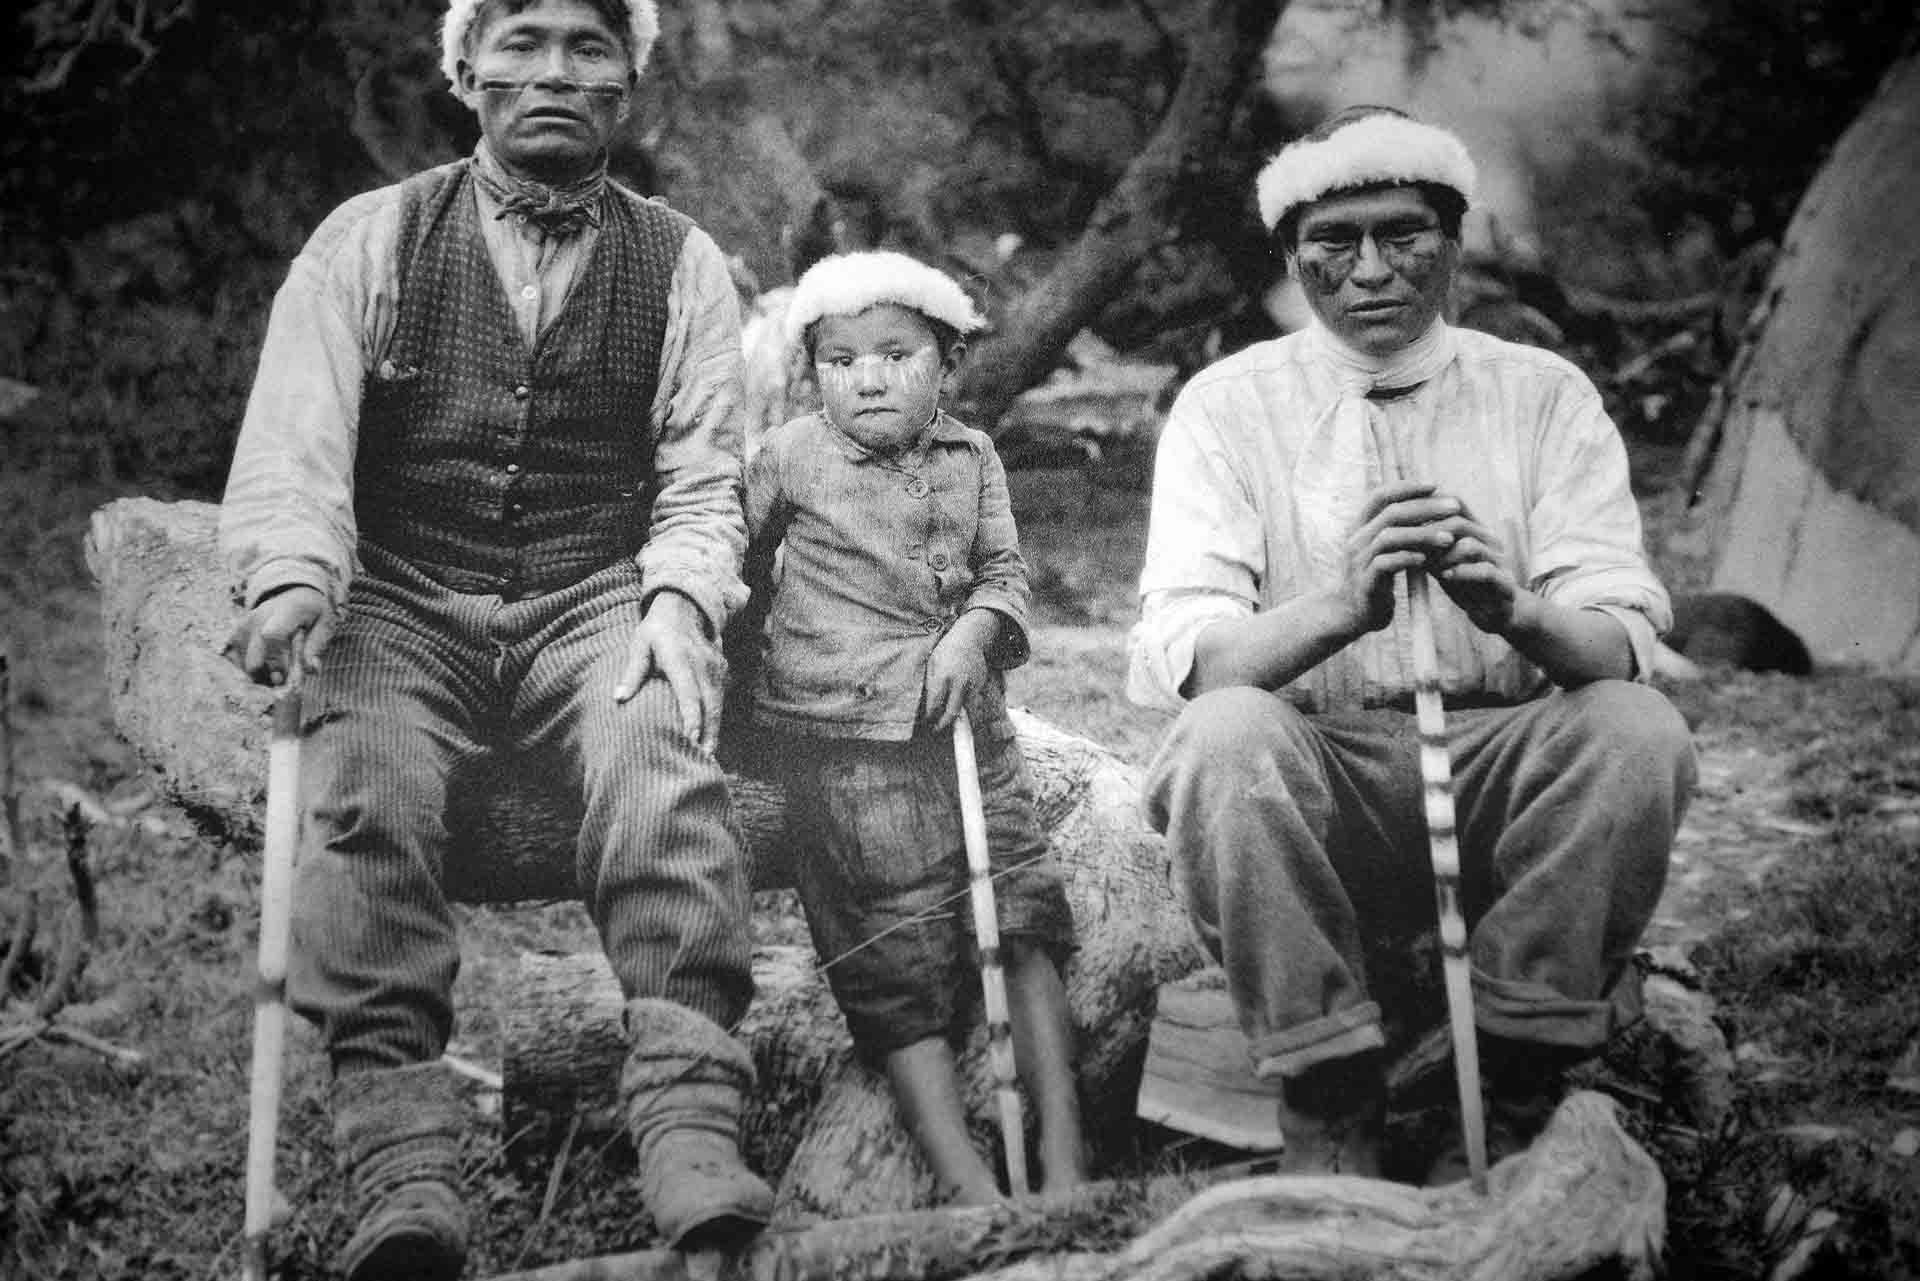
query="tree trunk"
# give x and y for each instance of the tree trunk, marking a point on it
(1139, 214)
(1813, 498)
(1584, 1200)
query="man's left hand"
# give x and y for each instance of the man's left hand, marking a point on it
(671, 642)
(1473, 574)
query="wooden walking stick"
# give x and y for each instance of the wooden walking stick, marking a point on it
(993, 979)
(1443, 848)
(269, 993)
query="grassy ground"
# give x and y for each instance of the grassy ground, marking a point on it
(108, 1171)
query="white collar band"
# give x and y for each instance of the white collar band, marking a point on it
(848, 284)
(643, 28)
(1373, 149)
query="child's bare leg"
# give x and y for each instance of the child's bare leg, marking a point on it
(1043, 1052)
(926, 1085)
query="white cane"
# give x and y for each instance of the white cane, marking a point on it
(993, 981)
(1443, 848)
(1436, 773)
(269, 994)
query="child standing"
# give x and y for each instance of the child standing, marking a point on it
(897, 596)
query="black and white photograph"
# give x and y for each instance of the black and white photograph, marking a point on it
(1145, 640)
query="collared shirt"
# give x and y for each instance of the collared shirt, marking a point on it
(287, 517)
(1516, 433)
(877, 556)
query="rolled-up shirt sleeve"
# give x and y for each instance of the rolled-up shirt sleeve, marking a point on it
(1205, 555)
(286, 518)
(999, 569)
(1587, 540)
(698, 533)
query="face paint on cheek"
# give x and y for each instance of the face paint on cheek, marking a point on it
(1414, 262)
(1322, 275)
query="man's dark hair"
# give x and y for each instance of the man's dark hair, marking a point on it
(1447, 204)
(616, 14)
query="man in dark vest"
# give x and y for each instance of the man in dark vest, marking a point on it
(487, 489)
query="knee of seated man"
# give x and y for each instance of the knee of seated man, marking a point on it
(1221, 723)
(1633, 717)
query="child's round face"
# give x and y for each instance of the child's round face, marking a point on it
(880, 373)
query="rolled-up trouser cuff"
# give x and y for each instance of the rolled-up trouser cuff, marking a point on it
(1522, 1011)
(1339, 1035)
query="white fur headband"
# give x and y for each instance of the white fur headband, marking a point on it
(1372, 149)
(643, 28)
(848, 284)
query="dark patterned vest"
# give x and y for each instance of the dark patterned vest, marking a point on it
(493, 468)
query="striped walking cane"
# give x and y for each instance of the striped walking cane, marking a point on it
(1436, 776)
(993, 980)
(269, 994)
(1443, 847)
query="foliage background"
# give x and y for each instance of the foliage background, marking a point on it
(161, 161)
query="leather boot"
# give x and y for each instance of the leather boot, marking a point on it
(683, 1087)
(396, 1133)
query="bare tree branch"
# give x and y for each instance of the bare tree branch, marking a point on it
(1137, 216)
(67, 29)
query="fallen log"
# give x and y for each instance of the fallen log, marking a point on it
(167, 606)
(1584, 1200)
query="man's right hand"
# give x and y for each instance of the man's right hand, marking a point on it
(1403, 526)
(292, 621)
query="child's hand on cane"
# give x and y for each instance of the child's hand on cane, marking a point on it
(957, 669)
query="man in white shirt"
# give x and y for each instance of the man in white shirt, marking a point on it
(1296, 483)
(489, 475)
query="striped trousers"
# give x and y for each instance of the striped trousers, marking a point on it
(1299, 843)
(415, 681)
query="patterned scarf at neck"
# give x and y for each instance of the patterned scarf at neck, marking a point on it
(559, 212)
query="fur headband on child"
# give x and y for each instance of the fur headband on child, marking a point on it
(643, 28)
(1373, 149)
(848, 284)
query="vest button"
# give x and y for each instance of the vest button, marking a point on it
(938, 560)
(917, 488)
(513, 469)
(522, 392)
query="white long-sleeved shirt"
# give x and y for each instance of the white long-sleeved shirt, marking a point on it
(1247, 473)
(287, 517)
